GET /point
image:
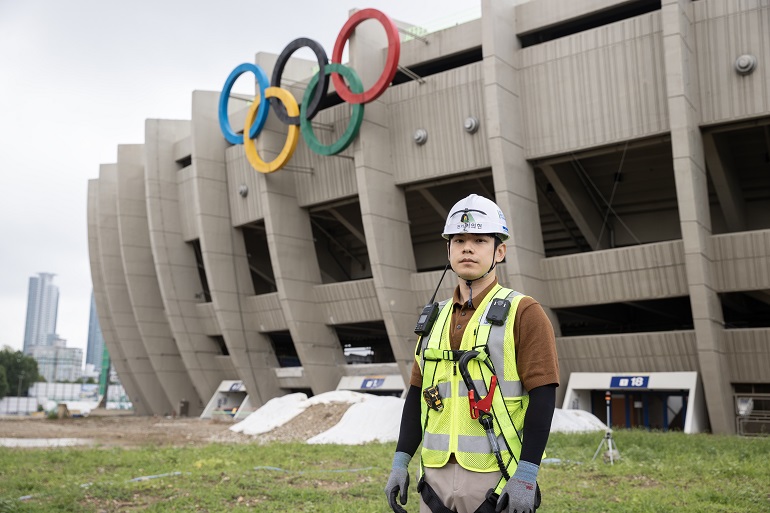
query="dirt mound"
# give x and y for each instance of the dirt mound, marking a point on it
(313, 421)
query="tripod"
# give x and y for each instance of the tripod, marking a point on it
(612, 448)
(607, 441)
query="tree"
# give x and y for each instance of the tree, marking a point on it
(16, 364)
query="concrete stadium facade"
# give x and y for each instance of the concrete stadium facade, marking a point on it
(630, 153)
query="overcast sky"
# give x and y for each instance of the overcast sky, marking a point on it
(79, 77)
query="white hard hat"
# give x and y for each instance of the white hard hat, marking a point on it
(476, 214)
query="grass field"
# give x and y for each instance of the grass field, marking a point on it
(658, 472)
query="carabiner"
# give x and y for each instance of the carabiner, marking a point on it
(484, 405)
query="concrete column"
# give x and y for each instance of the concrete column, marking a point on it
(175, 264)
(383, 204)
(102, 304)
(292, 252)
(224, 255)
(142, 281)
(296, 271)
(694, 215)
(150, 393)
(514, 177)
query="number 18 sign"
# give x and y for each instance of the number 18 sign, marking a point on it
(629, 381)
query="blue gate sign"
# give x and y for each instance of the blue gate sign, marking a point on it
(372, 382)
(629, 381)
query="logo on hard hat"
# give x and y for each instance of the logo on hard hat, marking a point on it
(467, 221)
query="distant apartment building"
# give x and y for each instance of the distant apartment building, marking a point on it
(95, 347)
(42, 307)
(56, 362)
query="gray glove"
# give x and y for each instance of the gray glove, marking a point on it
(398, 481)
(518, 495)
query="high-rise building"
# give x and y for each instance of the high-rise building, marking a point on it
(95, 347)
(42, 306)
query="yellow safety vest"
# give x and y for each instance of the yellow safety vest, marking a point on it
(452, 430)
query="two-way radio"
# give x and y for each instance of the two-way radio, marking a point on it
(430, 311)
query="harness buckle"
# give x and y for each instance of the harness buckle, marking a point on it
(453, 355)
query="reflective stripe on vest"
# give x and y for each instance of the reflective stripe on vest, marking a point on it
(435, 442)
(478, 444)
(465, 443)
(445, 388)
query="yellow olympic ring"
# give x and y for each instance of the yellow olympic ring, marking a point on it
(291, 139)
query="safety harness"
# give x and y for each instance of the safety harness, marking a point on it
(490, 410)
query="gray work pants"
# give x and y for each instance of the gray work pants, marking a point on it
(459, 489)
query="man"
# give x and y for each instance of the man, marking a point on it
(481, 451)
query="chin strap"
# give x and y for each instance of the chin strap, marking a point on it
(469, 283)
(470, 291)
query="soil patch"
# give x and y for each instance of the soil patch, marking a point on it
(121, 429)
(313, 421)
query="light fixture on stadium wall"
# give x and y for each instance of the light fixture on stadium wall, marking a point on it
(420, 136)
(745, 64)
(243, 190)
(471, 124)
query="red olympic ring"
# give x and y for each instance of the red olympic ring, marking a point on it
(391, 64)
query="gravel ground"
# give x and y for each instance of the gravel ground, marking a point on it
(111, 429)
(313, 421)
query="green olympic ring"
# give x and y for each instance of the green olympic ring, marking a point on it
(356, 116)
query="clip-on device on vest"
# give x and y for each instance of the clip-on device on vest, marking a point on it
(429, 312)
(498, 311)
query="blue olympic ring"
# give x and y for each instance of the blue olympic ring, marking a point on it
(264, 107)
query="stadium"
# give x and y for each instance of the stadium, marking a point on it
(628, 142)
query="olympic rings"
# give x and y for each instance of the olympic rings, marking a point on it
(298, 117)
